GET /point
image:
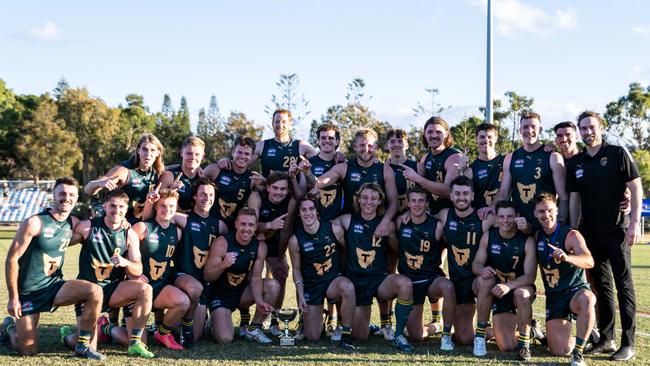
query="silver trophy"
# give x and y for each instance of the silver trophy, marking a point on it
(286, 315)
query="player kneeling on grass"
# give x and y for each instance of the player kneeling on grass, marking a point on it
(315, 260)
(563, 257)
(109, 251)
(367, 265)
(234, 271)
(505, 265)
(159, 240)
(35, 281)
(420, 259)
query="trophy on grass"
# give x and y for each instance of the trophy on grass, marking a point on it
(286, 315)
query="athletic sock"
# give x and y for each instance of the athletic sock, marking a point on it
(188, 325)
(402, 310)
(113, 319)
(245, 317)
(108, 328)
(580, 345)
(339, 322)
(436, 316)
(136, 336)
(254, 326)
(480, 330)
(331, 321)
(164, 329)
(385, 319)
(446, 330)
(523, 340)
(84, 337)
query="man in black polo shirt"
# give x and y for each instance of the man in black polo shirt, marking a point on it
(602, 174)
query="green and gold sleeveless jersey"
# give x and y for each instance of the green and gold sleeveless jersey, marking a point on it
(232, 193)
(557, 276)
(270, 211)
(506, 255)
(185, 198)
(486, 177)
(463, 236)
(138, 184)
(198, 236)
(237, 276)
(277, 156)
(531, 174)
(355, 177)
(403, 184)
(331, 197)
(95, 257)
(419, 251)
(157, 249)
(434, 170)
(366, 252)
(319, 255)
(40, 265)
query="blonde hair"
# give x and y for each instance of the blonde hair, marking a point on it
(159, 163)
(193, 141)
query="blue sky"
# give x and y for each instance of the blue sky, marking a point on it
(568, 55)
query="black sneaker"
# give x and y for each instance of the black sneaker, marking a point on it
(623, 354)
(577, 359)
(536, 332)
(603, 347)
(186, 339)
(346, 344)
(84, 351)
(524, 353)
(4, 334)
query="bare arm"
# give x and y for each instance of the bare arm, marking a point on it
(575, 209)
(256, 280)
(393, 203)
(132, 265)
(559, 181)
(216, 264)
(633, 231)
(285, 232)
(332, 176)
(478, 265)
(115, 178)
(506, 183)
(578, 254)
(339, 233)
(212, 171)
(530, 267)
(255, 202)
(306, 149)
(294, 254)
(28, 229)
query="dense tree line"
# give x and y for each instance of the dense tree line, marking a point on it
(69, 131)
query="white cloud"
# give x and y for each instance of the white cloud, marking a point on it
(47, 32)
(513, 16)
(642, 30)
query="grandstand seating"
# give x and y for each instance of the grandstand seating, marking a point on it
(23, 200)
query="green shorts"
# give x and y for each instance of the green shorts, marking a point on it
(464, 292)
(558, 305)
(42, 300)
(108, 291)
(366, 288)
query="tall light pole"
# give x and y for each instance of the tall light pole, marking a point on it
(489, 113)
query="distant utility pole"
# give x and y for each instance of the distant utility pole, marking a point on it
(489, 113)
(433, 92)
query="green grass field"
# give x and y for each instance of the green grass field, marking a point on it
(375, 351)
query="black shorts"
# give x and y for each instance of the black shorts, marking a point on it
(42, 300)
(421, 289)
(366, 288)
(506, 304)
(272, 249)
(558, 305)
(203, 299)
(229, 300)
(316, 293)
(464, 292)
(108, 291)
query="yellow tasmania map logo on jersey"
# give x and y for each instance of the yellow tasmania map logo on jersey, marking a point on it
(226, 209)
(365, 258)
(505, 277)
(552, 276)
(327, 197)
(402, 202)
(235, 280)
(102, 270)
(461, 256)
(200, 257)
(414, 261)
(156, 269)
(489, 196)
(526, 192)
(322, 268)
(51, 264)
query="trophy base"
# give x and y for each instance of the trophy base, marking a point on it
(287, 341)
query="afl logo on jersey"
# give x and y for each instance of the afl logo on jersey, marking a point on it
(519, 163)
(579, 172)
(482, 173)
(97, 237)
(319, 170)
(407, 232)
(308, 246)
(225, 180)
(264, 213)
(495, 248)
(195, 226)
(453, 225)
(355, 176)
(358, 228)
(136, 181)
(541, 246)
(48, 232)
(428, 164)
(271, 152)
